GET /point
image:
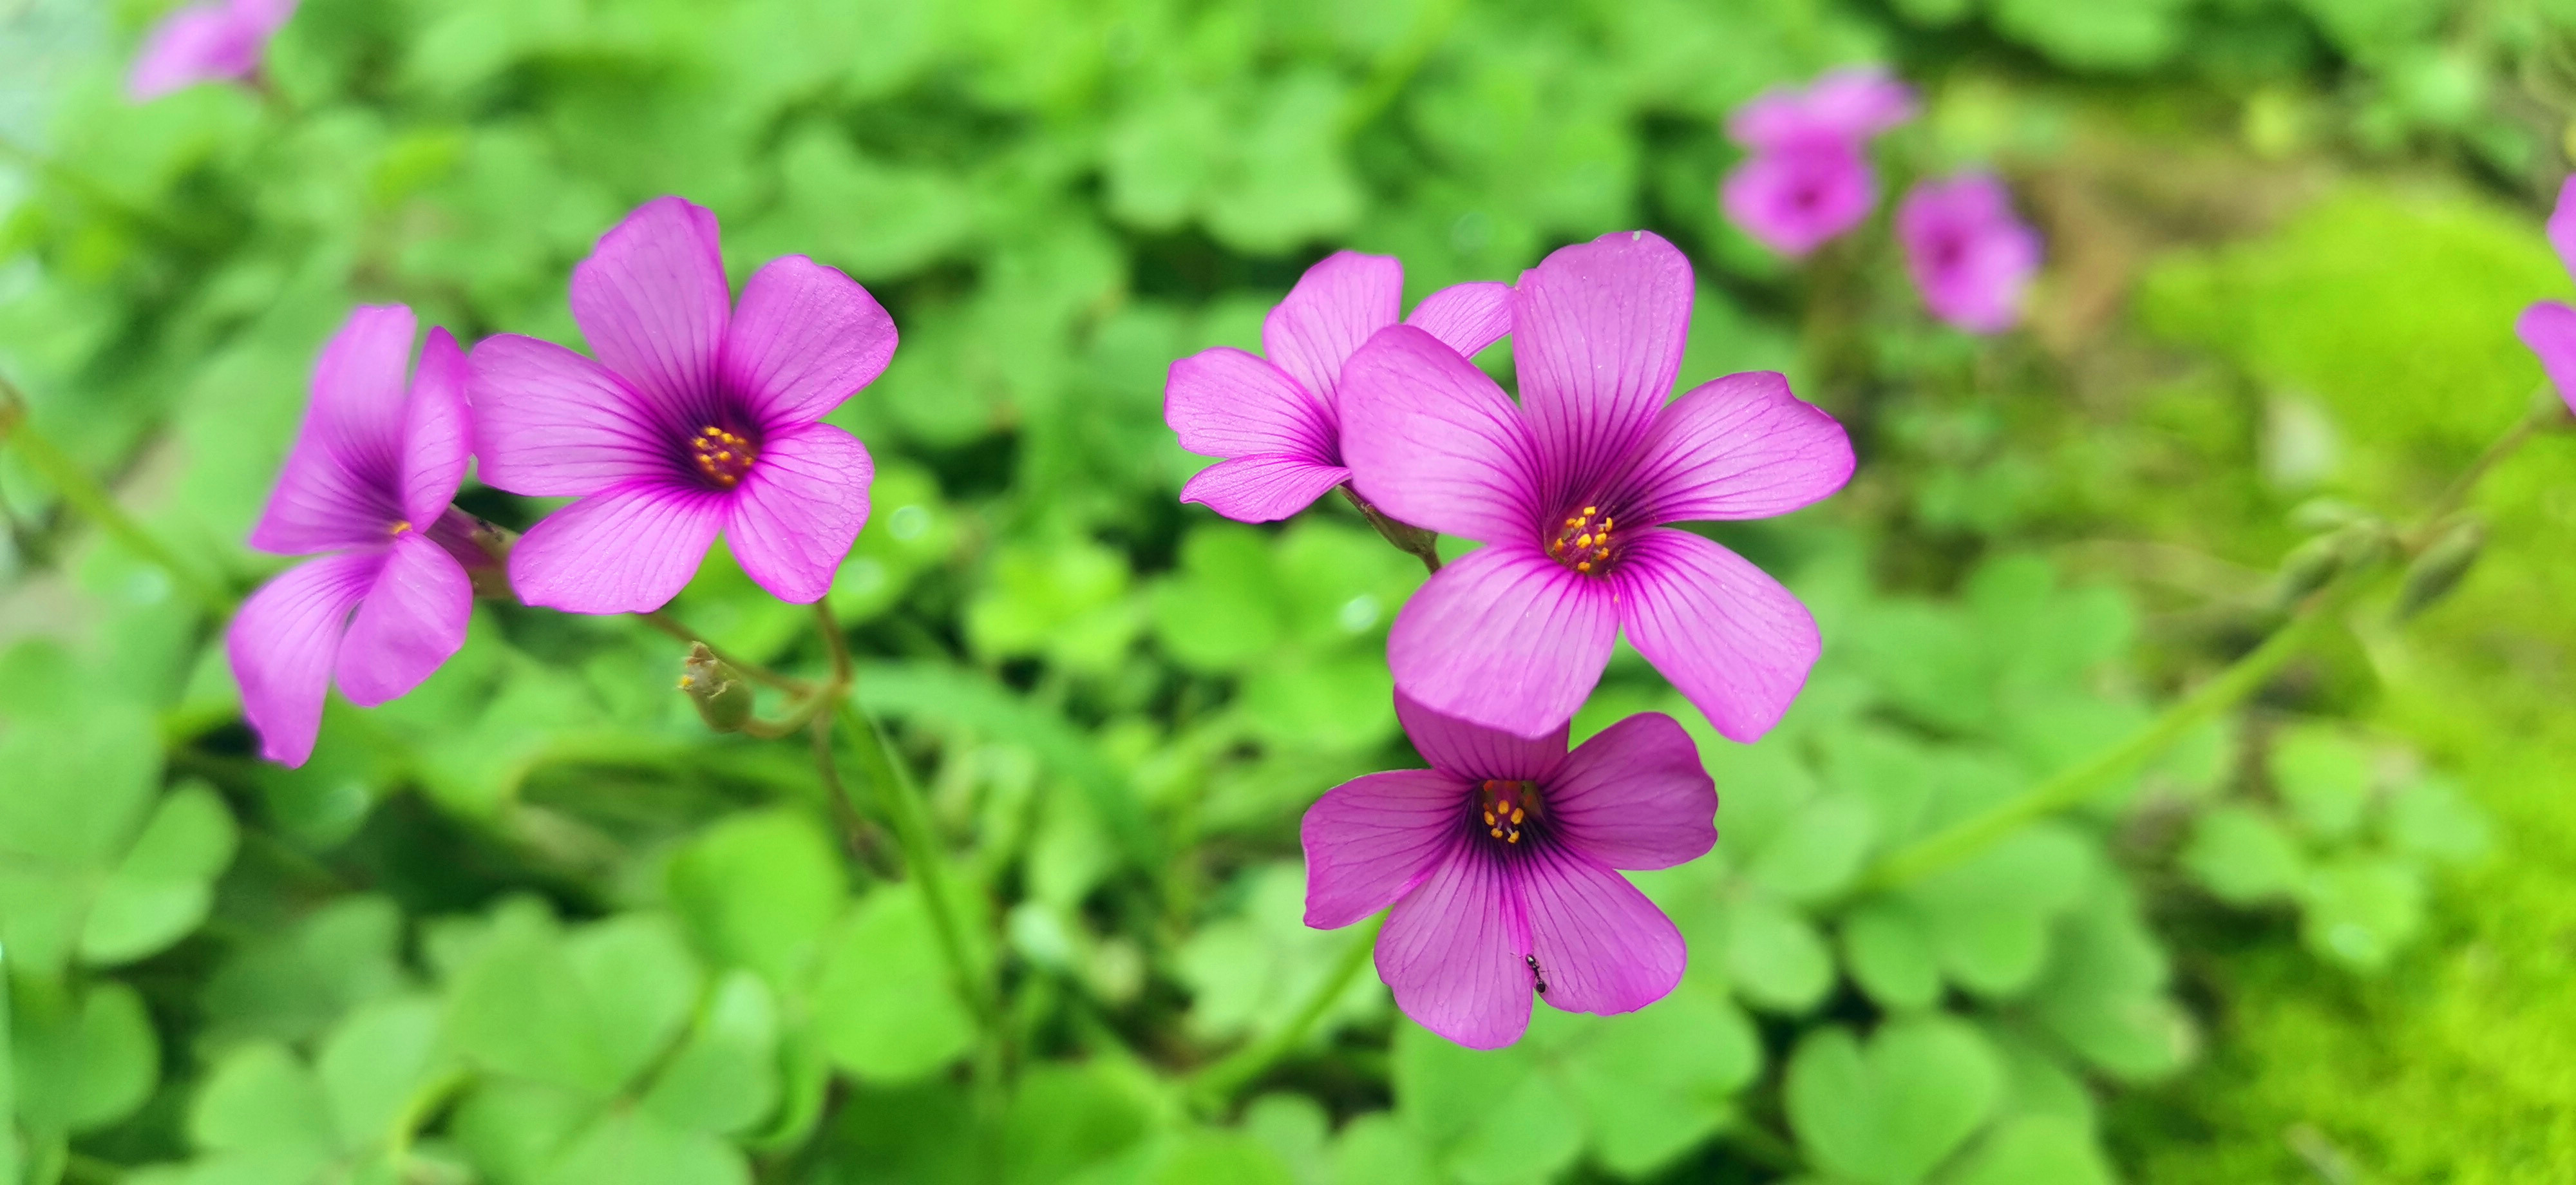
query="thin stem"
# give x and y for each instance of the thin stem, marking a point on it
(910, 818)
(2547, 412)
(757, 673)
(1407, 538)
(1217, 1084)
(834, 644)
(85, 494)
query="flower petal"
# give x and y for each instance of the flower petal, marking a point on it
(1725, 633)
(803, 340)
(1370, 840)
(1261, 489)
(1603, 947)
(1794, 198)
(1466, 317)
(1431, 440)
(547, 421)
(1506, 638)
(339, 487)
(199, 43)
(265, 16)
(320, 505)
(283, 643)
(1334, 308)
(1475, 752)
(651, 300)
(627, 549)
(1737, 447)
(2549, 328)
(1224, 402)
(2562, 224)
(1635, 796)
(799, 509)
(1451, 951)
(436, 435)
(413, 619)
(1597, 334)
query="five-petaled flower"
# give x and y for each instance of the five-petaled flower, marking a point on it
(2549, 326)
(1276, 421)
(1571, 490)
(210, 42)
(698, 417)
(1499, 861)
(1970, 256)
(368, 481)
(1807, 179)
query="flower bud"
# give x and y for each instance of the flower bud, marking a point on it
(2440, 567)
(722, 696)
(2316, 563)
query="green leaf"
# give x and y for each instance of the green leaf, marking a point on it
(1890, 1113)
(1818, 849)
(2324, 776)
(1207, 1155)
(82, 1061)
(375, 1062)
(2111, 35)
(1295, 1129)
(2242, 857)
(1774, 956)
(259, 1101)
(1378, 1149)
(1067, 602)
(1656, 1082)
(1248, 972)
(82, 788)
(1890, 952)
(1068, 1117)
(637, 1148)
(759, 890)
(1989, 917)
(2433, 819)
(2035, 1149)
(2360, 910)
(585, 1009)
(1487, 1115)
(161, 889)
(1340, 702)
(1222, 610)
(2103, 991)
(293, 984)
(725, 1076)
(883, 1002)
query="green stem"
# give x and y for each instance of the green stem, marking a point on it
(1218, 1084)
(11, 1171)
(759, 674)
(86, 495)
(2547, 412)
(1411, 540)
(910, 818)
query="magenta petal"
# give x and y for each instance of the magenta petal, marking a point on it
(2562, 224)
(548, 421)
(265, 16)
(436, 435)
(1969, 255)
(1334, 308)
(2549, 328)
(1452, 951)
(337, 488)
(1431, 440)
(319, 505)
(1223, 402)
(792, 521)
(1370, 840)
(283, 643)
(1466, 317)
(1794, 198)
(413, 619)
(199, 43)
(1850, 104)
(804, 338)
(1635, 796)
(1603, 946)
(1732, 640)
(651, 300)
(1475, 752)
(1597, 334)
(1737, 447)
(1261, 489)
(1506, 638)
(627, 549)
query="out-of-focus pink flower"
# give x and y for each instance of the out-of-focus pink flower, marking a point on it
(698, 417)
(1808, 178)
(1971, 257)
(2549, 326)
(209, 42)
(1500, 861)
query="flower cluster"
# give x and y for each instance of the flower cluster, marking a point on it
(2549, 326)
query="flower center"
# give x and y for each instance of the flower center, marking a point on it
(721, 455)
(1583, 540)
(400, 525)
(1506, 807)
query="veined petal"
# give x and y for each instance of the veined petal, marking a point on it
(651, 300)
(792, 521)
(1731, 639)
(1372, 839)
(803, 340)
(1597, 334)
(627, 549)
(1223, 402)
(1466, 317)
(283, 643)
(1506, 638)
(437, 437)
(547, 421)
(1475, 752)
(2562, 224)
(412, 620)
(359, 391)
(319, 505)
(1635, 796)
(1261, 489)
(1334, 308)
(1603, 947)
(2549, 328)
(1451, 951)
(1733, 448)
(1431, 440)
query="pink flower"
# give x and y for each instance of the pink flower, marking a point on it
(205, 43)
(1807, 180)
(368, 482)
(1570, 491)
(1970, 256)
(697, 418)
(2548, 326)
(1499, 862)
(1275, 420)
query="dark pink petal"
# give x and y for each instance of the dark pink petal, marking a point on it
(2562, 224)
(1372, 839)
(1261, 489)
(1223, 402)
(1466, 317)
(1969, 255)
(1334, 308)
(1475, 752)
(266, 16)
(626, 549)
(651, 300)
(318, 505)
(2549, 328)
(1506, 638)
(413, 619)
(1451, 951)
(1431, 440)
(548, 421)
(792, 521)
(1850, 105)
(1727, 635)
(1635, 796)
(283, 643)
(1597, 334)
(1794, 198)
(1604, 948)
(340, 484)
(804, 338)
(199, 43)
(436, 435)
(1733, 448)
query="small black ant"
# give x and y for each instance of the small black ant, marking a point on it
(1536, 975)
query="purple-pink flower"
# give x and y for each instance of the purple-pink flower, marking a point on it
(1500, 862)
(698, 417)
(2549, 326)
(1971, 257)
(1808, 179)
(1276, 420)
(210, 42)
(368, 482)
(1572, 489)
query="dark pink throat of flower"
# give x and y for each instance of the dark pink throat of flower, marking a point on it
(1585, 540)
(722, 455)
(1506, 808)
